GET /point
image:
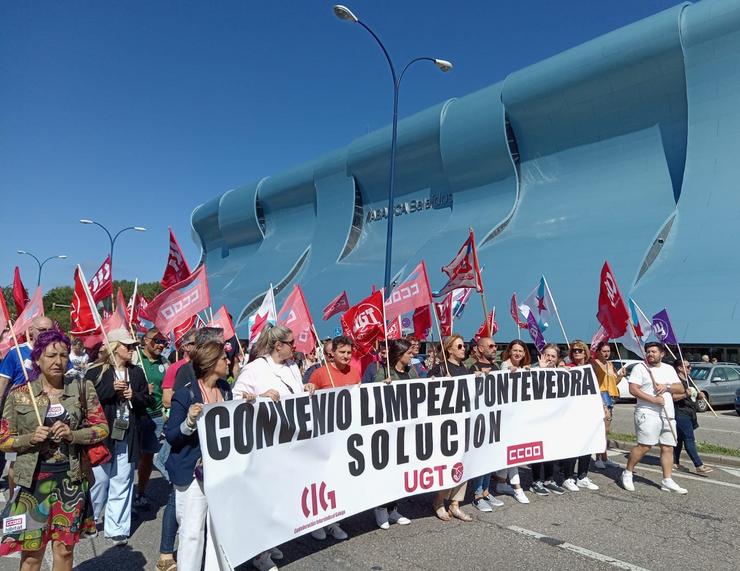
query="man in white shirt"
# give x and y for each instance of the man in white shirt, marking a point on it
(652, 384)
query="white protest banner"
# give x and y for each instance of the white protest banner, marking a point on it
(282, 469)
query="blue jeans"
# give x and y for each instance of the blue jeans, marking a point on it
(685, 430)
(480, 483)
(169, 526)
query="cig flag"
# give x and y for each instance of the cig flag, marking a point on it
(663, 328)
(612, 313)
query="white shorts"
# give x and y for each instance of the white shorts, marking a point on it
(10, 456)
(652, 429)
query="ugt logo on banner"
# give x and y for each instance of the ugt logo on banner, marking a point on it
(320, 498)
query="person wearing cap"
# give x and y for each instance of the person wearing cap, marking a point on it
(154, 366)
(124, 395)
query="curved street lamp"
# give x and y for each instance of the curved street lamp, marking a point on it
(111, 237)
(344, 13)
(40, 263)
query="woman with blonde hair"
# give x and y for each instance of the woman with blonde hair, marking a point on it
(579, 356)
(52, 495)
(453, 355)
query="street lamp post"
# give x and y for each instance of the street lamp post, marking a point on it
(344, 13)
(111, 237)
(40, 263)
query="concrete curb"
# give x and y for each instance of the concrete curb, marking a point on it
(712, 459)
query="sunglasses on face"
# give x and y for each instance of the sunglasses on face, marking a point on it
(577, 350)
(159, 341)
(459, 346)
(492, 346)
(291, 343)
(129, 347)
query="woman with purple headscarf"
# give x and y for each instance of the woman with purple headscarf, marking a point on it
(52, 503)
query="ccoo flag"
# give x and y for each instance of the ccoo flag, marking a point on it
(663, 328)
(180, 302)
(294, 314)
(409, 295)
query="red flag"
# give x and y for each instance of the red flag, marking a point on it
(515, 312)
(34, 308)
(444, 315)
(336, 305)
(422, 322)
(118, 319)
(180, 301)
(599, 336)
(101, 284)
(294, 314)
(4, 314)
(463, 270)
(394, 328)
(177, 268)
(221, 319)
(20, 293)
(136, 308)
(186, 326)
(81, 317)
(612, 312)
(488, 328)
(364, 322)
(407, 296)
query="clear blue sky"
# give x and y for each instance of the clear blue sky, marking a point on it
(134, 112)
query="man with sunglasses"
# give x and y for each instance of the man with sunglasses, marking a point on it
(486, 361)
(155, 367)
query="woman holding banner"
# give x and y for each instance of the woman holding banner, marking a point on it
(124, 396)
(184, 465)
(579, 352)
(47, 425)
(608, 378)
(271, 374)
(453, 354)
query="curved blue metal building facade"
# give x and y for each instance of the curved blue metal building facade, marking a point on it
(626, 148)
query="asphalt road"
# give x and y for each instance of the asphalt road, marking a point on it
(723, 430)
(606, 529)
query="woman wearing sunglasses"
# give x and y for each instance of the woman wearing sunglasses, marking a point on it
(579, 355)
(452, 365)
(272, 373)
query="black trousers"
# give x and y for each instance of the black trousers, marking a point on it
(569, 466)
(542, 471)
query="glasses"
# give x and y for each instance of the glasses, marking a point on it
(459, 346)
(576, 350)
(291, 343)
(159, 341)
(129, 346)
(492, 346)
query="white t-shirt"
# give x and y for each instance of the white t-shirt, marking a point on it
(264, 374)
(664, 375)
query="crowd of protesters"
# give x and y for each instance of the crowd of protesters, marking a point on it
(78, 425)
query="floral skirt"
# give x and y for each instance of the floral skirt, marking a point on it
(55, 509)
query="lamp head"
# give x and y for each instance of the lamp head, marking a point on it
(86, 221)
(139, 228)
(344, 13)
(62, 256)
(443, 64)
(22, 252)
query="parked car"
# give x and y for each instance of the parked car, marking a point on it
(718, 381)
(624, 389)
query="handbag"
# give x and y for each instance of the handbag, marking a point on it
(92, 454)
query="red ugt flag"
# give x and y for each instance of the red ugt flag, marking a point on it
(406, 297)
(177, 266)
(394, 328)
(81, 315)
(488, 328)
(180, 301)
(364, 322)
(612, 313)
(101, 284)
(294, 314)
(463, 271)
(20, 293)
(336, 305)
(444, 314)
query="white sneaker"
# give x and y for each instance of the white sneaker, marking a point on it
(395, 517)
(381, 518)
(520, 496)
(599, 465)
(482, 505)
(670, 485)
(337, 532)
(276, 554)
(494, 502)
(263, 562)
(586, 483)
(570, 485)
(319, 534)
(627, 483)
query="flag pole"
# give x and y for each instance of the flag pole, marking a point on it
(688, 376)
(323, 355)
(489, 326)
(385, 337)
(441, 340)
(557, 313)
(25, 373)
(133, 301)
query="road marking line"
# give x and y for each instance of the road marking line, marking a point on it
(702, 428)
(733, 471)
(576, 549)
(702, 479)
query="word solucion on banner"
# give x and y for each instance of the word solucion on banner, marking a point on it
(284, 468)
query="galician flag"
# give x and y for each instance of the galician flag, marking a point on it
(541, 305)
(639, 329)
(264, 315)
